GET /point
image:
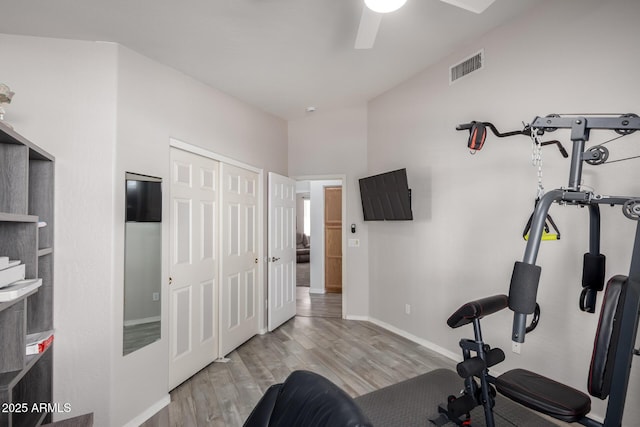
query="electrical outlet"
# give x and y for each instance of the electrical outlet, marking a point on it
(156, 296)
(407, 309)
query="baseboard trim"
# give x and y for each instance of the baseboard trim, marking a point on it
(149, 412)
(425, 343)
(356, 317)
(135, 322)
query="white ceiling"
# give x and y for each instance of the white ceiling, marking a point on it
(279, 55)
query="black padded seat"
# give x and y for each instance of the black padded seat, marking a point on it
(544, 395)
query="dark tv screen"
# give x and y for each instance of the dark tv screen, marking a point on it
(144, 201)
(386, 197)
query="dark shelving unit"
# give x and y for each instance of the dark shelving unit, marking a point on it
(26, 234)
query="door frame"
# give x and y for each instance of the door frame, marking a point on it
(345, 258)
(175, 143)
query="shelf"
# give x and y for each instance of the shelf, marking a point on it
(45, 251)
(27, 213)
(19, 241)
(12, 336)
(21, 289)
(34, 388)
(11, 217)
(10, 136)
(7, 304)
(8, 380)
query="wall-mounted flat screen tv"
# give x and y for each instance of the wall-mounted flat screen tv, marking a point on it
(144, 198)
(386, 197)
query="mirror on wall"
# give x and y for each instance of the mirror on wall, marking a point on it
(142, 261)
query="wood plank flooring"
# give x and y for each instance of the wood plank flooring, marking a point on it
(137, 336)
(317, 305)
(359, 357)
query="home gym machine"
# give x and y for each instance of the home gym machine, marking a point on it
(618, 325)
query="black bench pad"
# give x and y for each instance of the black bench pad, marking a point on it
(544, 395)
(477, 310)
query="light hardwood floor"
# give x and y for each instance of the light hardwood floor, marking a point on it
(317, 305)
(358, 356)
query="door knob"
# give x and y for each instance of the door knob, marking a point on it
(274, 259)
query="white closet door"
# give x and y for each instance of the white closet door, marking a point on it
(193, 315)
(282, 249)
(239, 287)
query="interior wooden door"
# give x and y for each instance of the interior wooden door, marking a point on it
(193, 316)
(239, 286)
(333, 239)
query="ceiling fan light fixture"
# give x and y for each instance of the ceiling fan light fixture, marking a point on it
(476, 6)
(384, 6)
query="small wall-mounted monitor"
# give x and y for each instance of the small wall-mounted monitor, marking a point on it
(386, 197)
(144, 198)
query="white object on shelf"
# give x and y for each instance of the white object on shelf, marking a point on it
(38, 342)
(5, 262)
(11, 275)
(18, 289)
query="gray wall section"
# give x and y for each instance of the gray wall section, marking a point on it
(110, 118)
(142, 271)
(470, 210)
(327, 144)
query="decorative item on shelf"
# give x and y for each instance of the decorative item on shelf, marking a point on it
(38, 342)
(13, 272)
(5, 98)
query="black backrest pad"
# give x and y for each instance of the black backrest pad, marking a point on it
(604, 346)
(477, 310)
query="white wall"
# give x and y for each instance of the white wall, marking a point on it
(143, 272)
(101, 110)
(335, 143)
(64, 102)
(470, 210)
(156, 103)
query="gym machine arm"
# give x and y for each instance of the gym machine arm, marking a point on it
(614, 349)
(477, 134)
(526, 275)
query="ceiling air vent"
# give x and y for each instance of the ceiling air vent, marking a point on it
(466, 67)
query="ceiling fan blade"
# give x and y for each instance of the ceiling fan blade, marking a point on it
(477, 6)
(368, 29)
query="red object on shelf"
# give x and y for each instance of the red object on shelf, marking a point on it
(39, 345)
